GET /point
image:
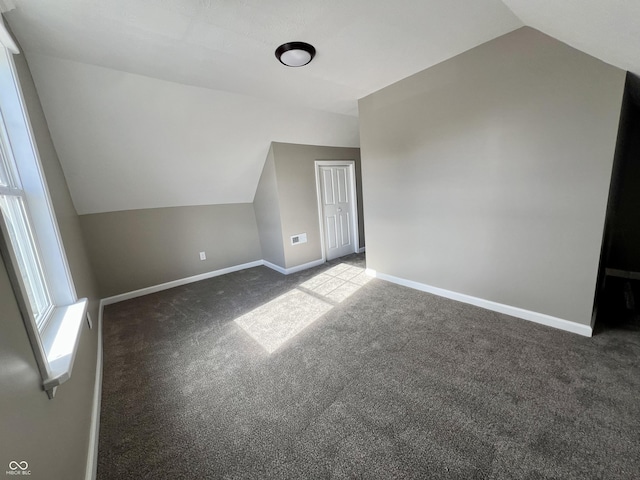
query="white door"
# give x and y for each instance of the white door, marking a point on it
(338, 210)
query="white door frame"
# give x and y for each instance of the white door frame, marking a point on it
(354, 201)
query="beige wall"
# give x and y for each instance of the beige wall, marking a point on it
(134, 249)
(267, 210)
(295, 171)
(488, 174)
(298, 201)
(51, 435)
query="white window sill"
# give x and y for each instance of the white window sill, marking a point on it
(60, 341)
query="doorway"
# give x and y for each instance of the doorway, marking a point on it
(337, 207)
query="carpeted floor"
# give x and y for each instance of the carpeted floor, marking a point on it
(322, 374)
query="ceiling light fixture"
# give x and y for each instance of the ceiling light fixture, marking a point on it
(295, 54)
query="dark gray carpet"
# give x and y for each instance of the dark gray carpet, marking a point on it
(390, 383)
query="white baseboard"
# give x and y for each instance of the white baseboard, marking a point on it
(94, 432)
(304, 266)
(275, 267)
(297, 268)
(203, 276)
(362, 250)
(536, 317)
(177, 283)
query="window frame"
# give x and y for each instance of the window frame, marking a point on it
(56, 340)
(10, 187)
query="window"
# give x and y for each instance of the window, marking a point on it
(30, 242)
(20, 233)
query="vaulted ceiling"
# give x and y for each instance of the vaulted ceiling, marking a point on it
(227, 47)
(363, 45)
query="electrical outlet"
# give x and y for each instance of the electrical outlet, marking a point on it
(203, 256)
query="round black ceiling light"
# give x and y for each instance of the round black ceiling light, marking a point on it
(295, 54)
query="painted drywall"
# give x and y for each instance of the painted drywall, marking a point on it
(229, 45)
(136, 249)
(130, 142)
(51, 435)
(267, 210)
(296, 183)
(488, 174)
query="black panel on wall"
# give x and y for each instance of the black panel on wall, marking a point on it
(618, 299)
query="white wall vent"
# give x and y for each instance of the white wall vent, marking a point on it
(299, 238)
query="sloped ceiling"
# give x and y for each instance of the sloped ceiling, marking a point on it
(127, 141)
(608, 30)
(363, 45)
(93, 61)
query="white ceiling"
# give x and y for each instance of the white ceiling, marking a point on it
(606, 29)
(127, 141)
(102, 68)
(363, 45)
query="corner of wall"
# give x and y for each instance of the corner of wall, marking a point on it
(266, 206)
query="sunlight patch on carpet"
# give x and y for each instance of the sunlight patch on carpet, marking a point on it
(281, 319)
(273, 323)
(337, 283)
